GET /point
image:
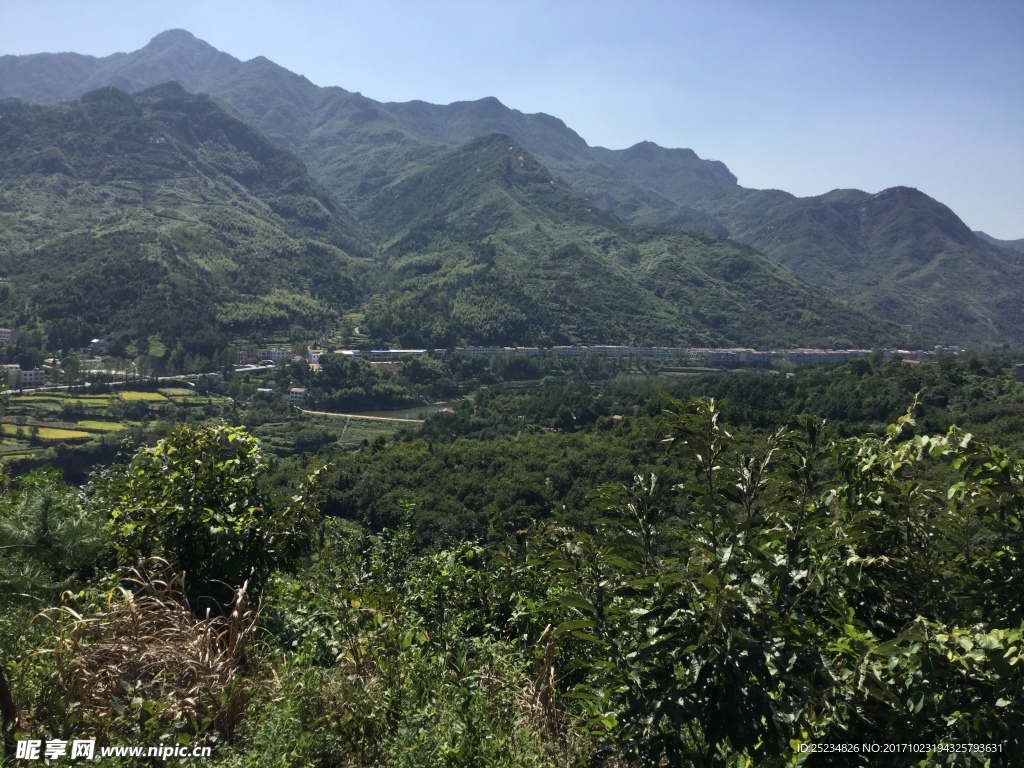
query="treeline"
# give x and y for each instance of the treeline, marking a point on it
(344, 384)
(507, 454)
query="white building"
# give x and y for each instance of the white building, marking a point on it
(484, 351)
(19, 379)
(274, 356)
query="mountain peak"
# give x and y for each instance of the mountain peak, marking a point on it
(172, 37)
(648, 150)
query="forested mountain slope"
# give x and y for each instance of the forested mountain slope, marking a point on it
(162, 217)
(1013, 245)
(484, 245)
(898, 254)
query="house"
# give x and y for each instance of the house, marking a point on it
(274, 356)
(387, 355)
(313, 356)
(7, 335)
(19, 379)
(297, 395)
(483, 351)
(568, 351)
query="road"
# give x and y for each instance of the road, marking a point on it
(357, 416)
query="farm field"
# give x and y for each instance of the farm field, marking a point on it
(38, 426)
(150, 397)
(311, 433)
(101, 426)
(44, 433)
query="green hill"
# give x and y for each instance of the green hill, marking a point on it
(899, 260)
(161, 222)
(484, 245)
(1013, 245)
(162, 217)
(900, 255)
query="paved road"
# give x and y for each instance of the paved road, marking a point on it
(358, 416)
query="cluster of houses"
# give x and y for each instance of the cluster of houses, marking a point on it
(15, 378)
(728, 357)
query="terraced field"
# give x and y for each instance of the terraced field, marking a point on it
(44, 433)
(34, 425)
(43, 425)
(149, 397)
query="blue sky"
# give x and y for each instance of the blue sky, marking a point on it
(801, 96)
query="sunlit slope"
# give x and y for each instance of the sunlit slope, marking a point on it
(161, 213)
(484, 245)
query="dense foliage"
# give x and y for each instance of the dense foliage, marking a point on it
(724, 600)
(199, 499)
(166, 226)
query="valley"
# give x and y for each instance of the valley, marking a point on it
(344, 432)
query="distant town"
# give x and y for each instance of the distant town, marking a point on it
(727, 357)
(730, 357)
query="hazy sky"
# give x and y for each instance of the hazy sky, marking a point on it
(802, 96)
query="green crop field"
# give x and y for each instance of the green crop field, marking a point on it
(177, 392)
(101, 426)
(46, 433)
(152, 397)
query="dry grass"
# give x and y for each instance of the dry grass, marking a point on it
(541, 708)
(148, 646)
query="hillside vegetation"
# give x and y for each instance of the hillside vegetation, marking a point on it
(733, 601)
(899, 254)
(164, 223)
(485, 245)
(160, 215)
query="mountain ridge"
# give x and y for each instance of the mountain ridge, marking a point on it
(356, 146)
(485, 230)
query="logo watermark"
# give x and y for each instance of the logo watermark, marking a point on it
(86, 749)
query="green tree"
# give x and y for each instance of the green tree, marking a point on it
(810, 591)
(201, 499)
(45, 534)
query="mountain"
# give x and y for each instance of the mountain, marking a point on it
(484, 245)
(351, 142)
(1013, 245)
(161, 221)
(899, 253)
